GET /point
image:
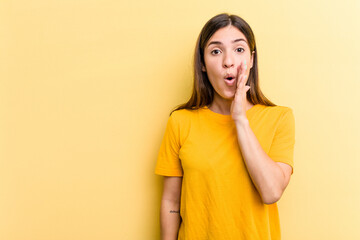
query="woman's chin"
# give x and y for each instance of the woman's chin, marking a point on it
(229, 96)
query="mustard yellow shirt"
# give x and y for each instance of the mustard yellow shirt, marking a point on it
(218, 198)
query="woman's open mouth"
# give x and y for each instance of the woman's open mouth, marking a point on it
(230, 81)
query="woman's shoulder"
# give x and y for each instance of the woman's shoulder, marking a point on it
(182, 116)
(184, 113)
(277, 109)
(182, 119)
(275, 112)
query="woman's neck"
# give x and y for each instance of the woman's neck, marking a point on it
(222, 106)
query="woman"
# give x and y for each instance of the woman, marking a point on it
(227, 154)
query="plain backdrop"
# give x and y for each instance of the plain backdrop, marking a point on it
(87, 87)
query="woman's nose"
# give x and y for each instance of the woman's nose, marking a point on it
(228, 61)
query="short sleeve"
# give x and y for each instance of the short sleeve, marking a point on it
(168, 162)
(282, 147)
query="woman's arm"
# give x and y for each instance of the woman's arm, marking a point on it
(270, 178)
(170, 208)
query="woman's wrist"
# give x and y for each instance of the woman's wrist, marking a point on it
(241, 121)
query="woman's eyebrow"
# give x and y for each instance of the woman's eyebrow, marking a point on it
(220, 43)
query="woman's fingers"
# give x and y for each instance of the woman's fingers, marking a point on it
(240, 72)
(241, 87)
(238, 76)
(238, 80)
(245, 76)
(242, 84)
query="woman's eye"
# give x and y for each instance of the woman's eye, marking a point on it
(240, 49)
(216, 51)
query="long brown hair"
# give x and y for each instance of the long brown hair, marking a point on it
(203, 91)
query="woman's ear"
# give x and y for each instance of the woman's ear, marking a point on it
(252, 59)
(203, 68)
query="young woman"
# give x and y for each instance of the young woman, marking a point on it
(227, 154)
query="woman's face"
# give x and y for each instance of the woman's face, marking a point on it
(223, 53)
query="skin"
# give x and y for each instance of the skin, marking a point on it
(225, 53)
(226, 57)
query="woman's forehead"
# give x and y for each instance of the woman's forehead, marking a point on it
(227, 35)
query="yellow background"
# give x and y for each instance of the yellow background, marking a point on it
(87, 86)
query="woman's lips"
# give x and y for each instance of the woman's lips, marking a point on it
(230, 81)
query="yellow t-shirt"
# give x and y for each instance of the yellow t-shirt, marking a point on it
(218, 198)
